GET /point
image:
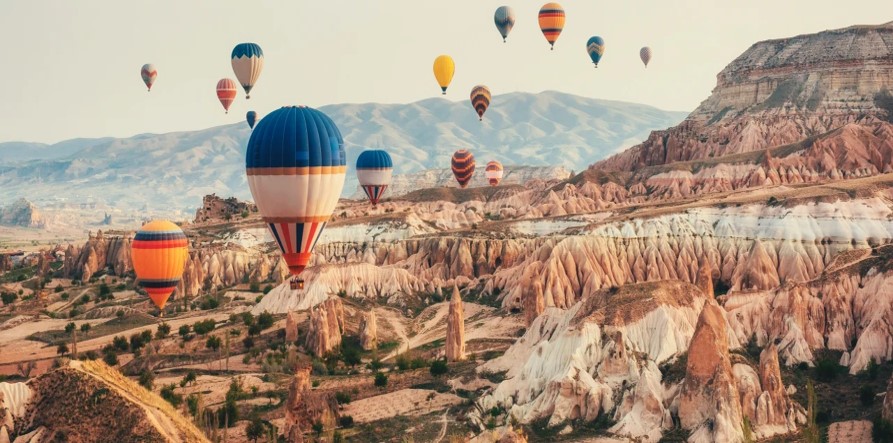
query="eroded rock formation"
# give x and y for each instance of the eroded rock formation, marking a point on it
(534, 304)
(305, 407)
(22, 213)
(454, 348)
(326, 327)
(369, 331)
(291, 327)
(218, 209)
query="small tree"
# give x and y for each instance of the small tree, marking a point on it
(8, 298)
(265, 320)
(62, 349)
(69, 328)
(213, 343)
(147, 379)
(163, 330)
(189, 378)
(120, 343)
(439, 367)
(85, 328)
(255, 429)
(184, 331)
(318, 428)
(381, 379)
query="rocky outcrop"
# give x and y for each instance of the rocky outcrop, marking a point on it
(100, 252)
(534, 304)
(22, 213)
(454, 347)
(304, 407)
(291, 327)
(600, 355)
(14, 398)
(216, 209)
(705, 279)
(326, 327)
(708, 403)
(369, 331)
(780, 92)
(89, 401)
(775, 413)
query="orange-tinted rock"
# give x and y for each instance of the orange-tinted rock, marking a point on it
(455, 329)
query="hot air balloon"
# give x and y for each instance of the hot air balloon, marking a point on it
(494, 172)
(463, 166)
(248, 62)
(480, 100)
(374, 173)
(596, 48)
(444, 68)
(645, 55)
(159, 253)
(251, 118)
(551, 22)
(295, 165)
(148, 73)
(505, 20)
(226, 93)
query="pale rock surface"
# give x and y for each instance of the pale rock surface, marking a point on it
(326, 327)
(14, 398)
(534, 304)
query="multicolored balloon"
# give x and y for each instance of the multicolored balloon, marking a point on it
(505, 20)
(374, 170)
(148, 73)
(493, 172)
(596, 48)
(444, 68)
(226, 93)
(463, 166)
(480, 100)
(159, 252)
(295, 165)
(251, 118)
(248, 62)
(551, 20)
(645, 55)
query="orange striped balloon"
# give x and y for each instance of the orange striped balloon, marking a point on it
(159, 252)
(551, 20)
(226, 93)
(463, 166)
(480, 99)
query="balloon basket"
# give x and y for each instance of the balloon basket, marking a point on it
(296, 284)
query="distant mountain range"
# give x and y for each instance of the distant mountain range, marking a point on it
(162, 171)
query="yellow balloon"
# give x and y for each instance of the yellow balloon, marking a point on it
(444, 68)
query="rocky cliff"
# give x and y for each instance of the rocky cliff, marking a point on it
(780, 92)
(22, 213)
(216, 209)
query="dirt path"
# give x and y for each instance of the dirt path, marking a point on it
(443, 430)
(396, 322)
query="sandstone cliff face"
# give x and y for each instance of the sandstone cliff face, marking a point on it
(369, 331)
(455, 329)
(326, 327)
(305, 407)
(780, 92)
(98, 253)
(534, 303)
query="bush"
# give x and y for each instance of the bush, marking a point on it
(254, 329)
(120, 343)
(69, 328)
(184, 331)
(265, 320)
(866, 395)
(209, 303)
(254, 286)
(213, 343)
(826, 369)
(346, 421)
(147, 379)
(163, 331)
(319, 368)
(85, 328)
(64, 296)
(381, 379)
(247, 318)
(882, 431)
(173, 398)
(89, 355)
(62, 349)
(104, 292)
(205, 326)
(350, 355)
(110, 358)
(248, 342)
(872, 370)
(8, 298)
(402, 362)
(439, 367)
(57, 289)
(267, 289)
(189, 378)
(343, 398)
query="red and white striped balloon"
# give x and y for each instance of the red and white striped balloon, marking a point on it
(226, 92)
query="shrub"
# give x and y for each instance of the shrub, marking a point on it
(248, 342)
(57, 289)
(8, 298)
(439, 367)
(184, 331)
(62, 349)
(350, 355)
(209, 303)
(120, 343)
(826, 369)
(104, 292)
(173, 398)
(189, 378)
(265, 320)
(85, 328)
(254, 286)
(319, 368)
(64, 296)
(866, 395)
(402, 362)
(381, 379)
(163, 330)
(346, 421)
(267, 289)
(343, 398)
(110, 358)
(213, 343)
(147, 379)
(247, 318)
(205, 326)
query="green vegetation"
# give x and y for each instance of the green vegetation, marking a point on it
(147, 379)
(113, 326)
(439, 367)
(381, 379)
(205, 326)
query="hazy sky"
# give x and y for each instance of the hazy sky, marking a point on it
(71, 68)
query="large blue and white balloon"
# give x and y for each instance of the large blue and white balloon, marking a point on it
(374, 170)
(296, 165)
(248, 62)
